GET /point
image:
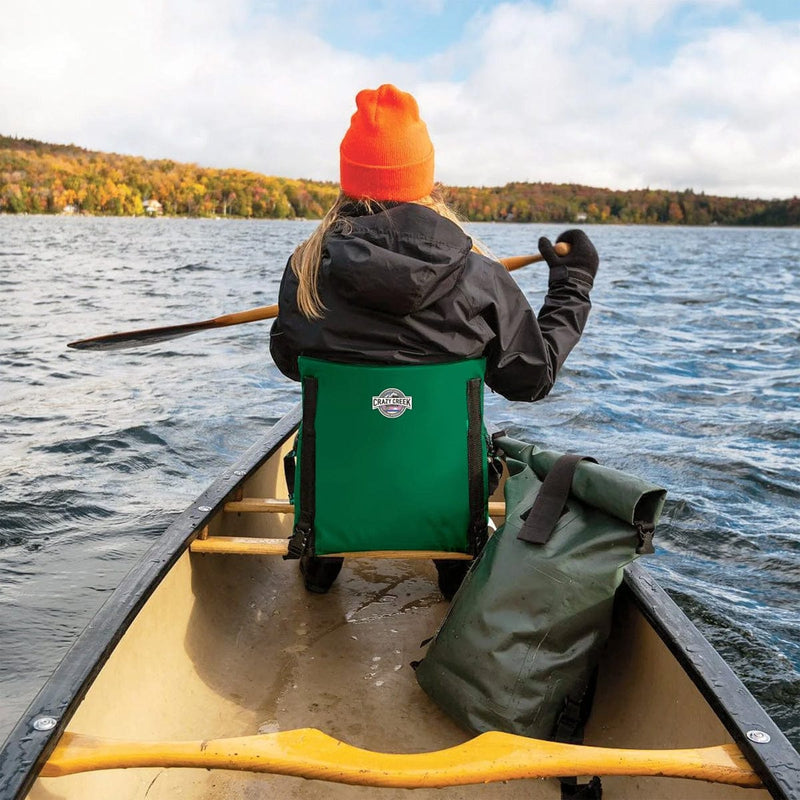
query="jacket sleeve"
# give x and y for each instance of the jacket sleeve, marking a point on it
(281, 346)
(527, 351)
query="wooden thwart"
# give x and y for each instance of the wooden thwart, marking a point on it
(254, 546)
(272, 505)
(240, 545)
(269, 505)
(309, 753)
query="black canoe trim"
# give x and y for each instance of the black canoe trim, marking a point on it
(776, 762)
(26, 749)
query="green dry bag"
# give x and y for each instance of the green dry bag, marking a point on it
(525, 631)
(390, 458)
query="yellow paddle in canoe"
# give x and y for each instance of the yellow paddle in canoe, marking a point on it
(309, 753)
(146, 336)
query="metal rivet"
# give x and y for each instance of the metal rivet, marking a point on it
(44, 723)
(204, 509)
(759, 736)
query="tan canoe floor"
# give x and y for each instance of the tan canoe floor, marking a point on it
(232, 645)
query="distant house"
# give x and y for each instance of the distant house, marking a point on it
(68, 209)
(581, 217)
(153, 207)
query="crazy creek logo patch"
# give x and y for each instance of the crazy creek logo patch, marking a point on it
(392, 403)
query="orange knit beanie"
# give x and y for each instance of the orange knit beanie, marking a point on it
(386, 153)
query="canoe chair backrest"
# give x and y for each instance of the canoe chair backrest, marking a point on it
(390, 458)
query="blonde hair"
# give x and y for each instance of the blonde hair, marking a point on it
(306, 259)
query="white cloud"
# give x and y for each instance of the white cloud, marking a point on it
(546, 102)
(540, 93)
(196, 81)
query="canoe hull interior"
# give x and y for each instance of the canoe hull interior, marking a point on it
(232, 645)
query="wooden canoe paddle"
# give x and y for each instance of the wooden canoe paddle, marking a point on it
(147, 336)
(310, 753)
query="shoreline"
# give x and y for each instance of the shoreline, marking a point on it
(574, 223)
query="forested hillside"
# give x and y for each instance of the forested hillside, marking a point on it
(40, 178)
(548, 202)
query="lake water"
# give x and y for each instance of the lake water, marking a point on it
(688, 375)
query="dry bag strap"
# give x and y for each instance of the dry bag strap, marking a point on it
(550, 501)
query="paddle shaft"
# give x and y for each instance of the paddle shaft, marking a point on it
(146, 336)
(309, 753)
(515, 262)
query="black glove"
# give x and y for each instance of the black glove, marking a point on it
(580, 263)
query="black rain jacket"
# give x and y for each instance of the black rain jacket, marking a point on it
(403, 286)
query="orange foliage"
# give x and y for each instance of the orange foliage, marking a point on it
(43, 178)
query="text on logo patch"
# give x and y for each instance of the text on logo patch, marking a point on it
(392, 403)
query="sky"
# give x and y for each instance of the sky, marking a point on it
(623, 94)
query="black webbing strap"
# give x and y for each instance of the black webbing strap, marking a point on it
(550, 501)
(302, 536)
(477, 498)
(290, 469)
(569, 728)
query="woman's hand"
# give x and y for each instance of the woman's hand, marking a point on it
(580, 263)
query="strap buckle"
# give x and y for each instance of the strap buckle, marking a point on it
(298, 541)
(645, 531)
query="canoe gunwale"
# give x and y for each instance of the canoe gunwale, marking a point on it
(776, 762)
(27, 749)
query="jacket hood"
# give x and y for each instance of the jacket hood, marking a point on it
(397, 261)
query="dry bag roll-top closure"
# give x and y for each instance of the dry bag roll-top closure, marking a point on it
(390, 458)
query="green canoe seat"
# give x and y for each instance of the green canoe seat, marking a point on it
(390, 458)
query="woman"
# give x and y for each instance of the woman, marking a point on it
(390, 277)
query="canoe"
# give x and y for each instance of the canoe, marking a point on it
(211, 673)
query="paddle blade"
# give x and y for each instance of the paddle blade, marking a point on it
(147, 336)
(125, 341)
